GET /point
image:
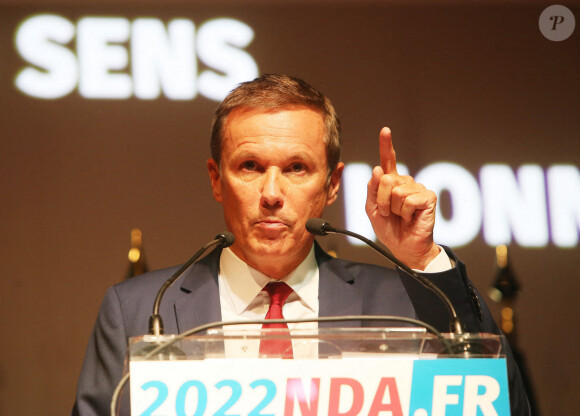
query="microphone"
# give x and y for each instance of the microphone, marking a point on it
(318, 226)
(223, 240)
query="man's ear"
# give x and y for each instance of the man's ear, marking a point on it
(334, 184)
(215, 178)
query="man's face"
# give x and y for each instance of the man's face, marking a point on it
(273, 179)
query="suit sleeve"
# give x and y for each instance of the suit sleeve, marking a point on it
(473, 312)
(103, 365)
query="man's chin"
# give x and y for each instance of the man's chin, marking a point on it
(275, 258)
(276, 248)
(273, 247)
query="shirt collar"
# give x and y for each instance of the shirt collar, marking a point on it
(243, 283)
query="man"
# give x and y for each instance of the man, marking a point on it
(275, 164)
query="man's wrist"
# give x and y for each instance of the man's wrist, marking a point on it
(421, 262)
(442, 262)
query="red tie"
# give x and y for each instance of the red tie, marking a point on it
(279, 292)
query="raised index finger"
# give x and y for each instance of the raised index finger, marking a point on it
(387, 152)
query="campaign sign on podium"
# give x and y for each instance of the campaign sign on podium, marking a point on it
(356, 372)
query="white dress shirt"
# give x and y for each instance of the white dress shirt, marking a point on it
(242, 299)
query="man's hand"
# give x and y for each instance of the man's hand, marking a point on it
(401, 211)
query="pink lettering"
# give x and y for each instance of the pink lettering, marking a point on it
(394, 406)
(295, 390)
(357, 392)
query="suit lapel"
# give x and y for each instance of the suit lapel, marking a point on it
(336, 294)
(198, 302)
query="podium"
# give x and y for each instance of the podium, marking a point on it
(339, 372)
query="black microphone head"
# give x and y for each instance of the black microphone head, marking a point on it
(316, 226)
(227, 239)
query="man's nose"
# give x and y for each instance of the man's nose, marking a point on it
(272, 189)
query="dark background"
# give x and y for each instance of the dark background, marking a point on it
(468, 82)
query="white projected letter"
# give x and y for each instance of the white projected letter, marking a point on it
(97, 57)
(40, 40)
(163, 59)
(218, 43)
(354, 179)
(465, 221)
(513, 205)
(564, 200)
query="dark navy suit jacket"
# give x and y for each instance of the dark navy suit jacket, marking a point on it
(346, 288)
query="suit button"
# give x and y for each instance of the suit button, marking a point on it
(476, 303)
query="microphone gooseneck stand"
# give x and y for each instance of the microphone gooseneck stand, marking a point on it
(224, 239)
(318, 226)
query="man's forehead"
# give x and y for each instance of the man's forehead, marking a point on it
(250, 111)
(291, 121)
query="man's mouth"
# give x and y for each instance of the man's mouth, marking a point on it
(271, 224)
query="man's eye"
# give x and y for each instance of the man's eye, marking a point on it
(249, 165)
(297, 167)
